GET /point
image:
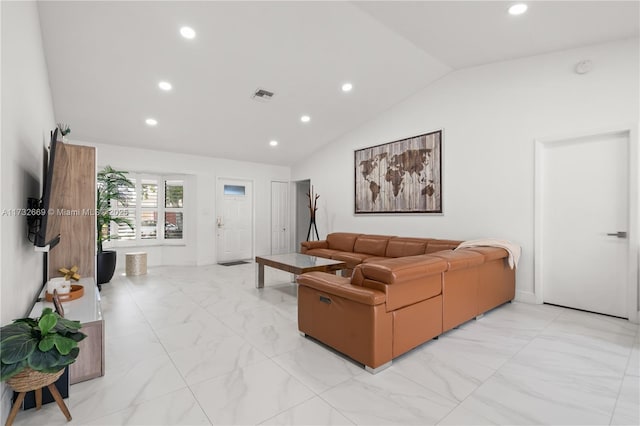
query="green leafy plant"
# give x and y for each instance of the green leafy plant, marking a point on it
(45, 344)
(112, 187)
(64, 129)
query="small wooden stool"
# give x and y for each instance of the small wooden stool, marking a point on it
(31, 380)
(136, 263)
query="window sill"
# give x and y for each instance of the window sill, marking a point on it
(138, 243)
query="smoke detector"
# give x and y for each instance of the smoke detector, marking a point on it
(583, 67)
(262, 95)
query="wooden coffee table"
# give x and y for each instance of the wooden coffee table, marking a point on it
(296, 263)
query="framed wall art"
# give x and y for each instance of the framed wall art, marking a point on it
(404, 176)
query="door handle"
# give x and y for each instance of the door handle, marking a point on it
(619, 234)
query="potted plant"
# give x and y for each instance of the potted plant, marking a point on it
(64, 130)
(45, 345)
(110, 189)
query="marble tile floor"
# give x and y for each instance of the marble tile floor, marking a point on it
(202, 345)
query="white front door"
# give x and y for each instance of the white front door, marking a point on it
(234, 218)
(585, 223)
(279, 217)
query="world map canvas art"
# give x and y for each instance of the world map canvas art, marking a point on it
(400, 177)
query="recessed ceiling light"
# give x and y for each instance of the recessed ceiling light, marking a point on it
(273, 143)
(165, 85)
(305, 118)
(518, 9)
(187, 32)
(347, 87)
(151, 121)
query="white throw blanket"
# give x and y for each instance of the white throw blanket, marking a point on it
(513, 249)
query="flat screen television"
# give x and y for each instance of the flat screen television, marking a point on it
(53, 193)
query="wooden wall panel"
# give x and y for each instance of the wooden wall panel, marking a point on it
(58, 187)
(77, 221)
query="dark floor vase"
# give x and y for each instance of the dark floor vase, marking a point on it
(106, 266)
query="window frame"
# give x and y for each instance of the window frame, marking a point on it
(160, 240)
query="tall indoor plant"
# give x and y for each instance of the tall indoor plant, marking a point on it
(111, 186)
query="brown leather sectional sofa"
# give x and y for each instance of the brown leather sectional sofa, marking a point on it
(402, 292)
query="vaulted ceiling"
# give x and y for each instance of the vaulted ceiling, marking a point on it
(105, 60)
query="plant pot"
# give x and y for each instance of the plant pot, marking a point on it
(106, 265)
(28, 379)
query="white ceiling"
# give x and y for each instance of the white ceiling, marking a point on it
(105, 60)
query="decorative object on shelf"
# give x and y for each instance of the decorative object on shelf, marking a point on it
(111, 184)
(313, 207)
(64, 130)
(70, 273)
(404, 176)
(62, 284)
(75, 292)
(34, 353)
(57, 304)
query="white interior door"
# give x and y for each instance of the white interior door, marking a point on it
(585, 221)
(234, 218)
(280, 233)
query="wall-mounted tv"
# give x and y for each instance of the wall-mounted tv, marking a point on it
(53, 194)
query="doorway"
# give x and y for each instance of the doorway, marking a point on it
(279, 217)
(234, 219)
(301, 211)
(583, 211)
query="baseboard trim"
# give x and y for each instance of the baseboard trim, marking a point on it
(526, 297)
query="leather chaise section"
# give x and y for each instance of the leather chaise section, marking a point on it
(402, 292)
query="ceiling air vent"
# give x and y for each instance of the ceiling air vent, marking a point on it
(262, 95)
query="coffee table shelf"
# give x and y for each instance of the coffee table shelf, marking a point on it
(295, 263)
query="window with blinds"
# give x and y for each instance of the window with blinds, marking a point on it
(125, 209)
(153, 221)
(173, 204)
(149, 209)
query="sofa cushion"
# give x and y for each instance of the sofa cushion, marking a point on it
(489, 253)
(322, 252)
(375, 245)
(460, 259)
(390, 271)
(310, 245)
(401, 247)
(342, 241)
(351, 259)
(375, 259)
(439, 245)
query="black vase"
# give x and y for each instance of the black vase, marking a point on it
(106, 264)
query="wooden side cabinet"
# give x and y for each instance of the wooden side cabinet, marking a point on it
(87, 310)
(90, 362)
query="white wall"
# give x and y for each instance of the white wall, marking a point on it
(27, 118)
(200, 242)
(491, 116)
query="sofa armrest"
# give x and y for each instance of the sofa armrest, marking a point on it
(308, 245)
(404, 280)
(341, 287)
(403, 269)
